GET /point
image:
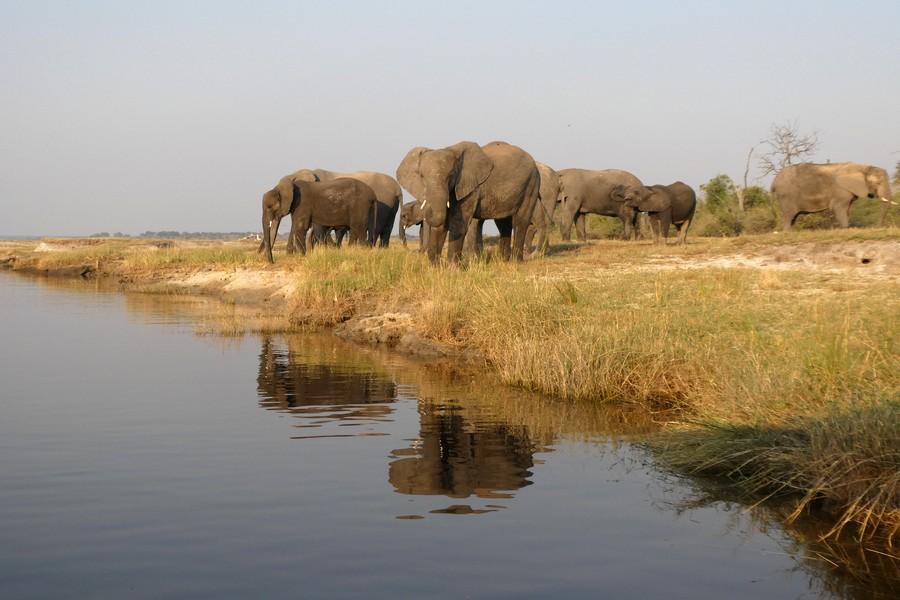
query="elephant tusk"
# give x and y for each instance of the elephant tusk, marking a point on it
(423, 204)
(883, 199)
(448, 204)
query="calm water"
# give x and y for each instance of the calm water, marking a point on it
(139, 459)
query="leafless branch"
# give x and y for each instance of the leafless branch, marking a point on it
(787, 146)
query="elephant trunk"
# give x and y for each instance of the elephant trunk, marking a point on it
(565, 227)
(267, 238)
(436, 237)
(402, 232)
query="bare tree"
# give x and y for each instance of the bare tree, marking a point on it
(740, 191)
(787, 146)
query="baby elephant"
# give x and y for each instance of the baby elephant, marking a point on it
(341, 202)
(412, 214)
(666, 205)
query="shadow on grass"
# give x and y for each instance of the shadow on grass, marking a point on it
(562, 248)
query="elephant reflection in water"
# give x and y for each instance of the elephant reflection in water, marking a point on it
(458, 459)
(285, 384)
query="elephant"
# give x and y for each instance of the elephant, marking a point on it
(583, 191)
(454, 457)
(542, 217)
(672, 204)
(387, 193)
(466, 181)
(412, 214)
(340, 202)
(386, 188)
(283, 189)
(811, 187)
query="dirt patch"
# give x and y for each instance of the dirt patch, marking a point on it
(239, 287)
(878, 259)
(396, 331)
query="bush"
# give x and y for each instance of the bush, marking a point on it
(604, 227)
(759, 219)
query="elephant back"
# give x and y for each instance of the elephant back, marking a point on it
(387, 190)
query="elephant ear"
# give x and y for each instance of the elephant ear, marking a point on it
(473, 168)
(304, 175)
(323, 175)
(410, 176)
(285, 190)
(618, 193)
(854, 182)
(657, 201)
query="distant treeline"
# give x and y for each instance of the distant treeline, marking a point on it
(184, 235)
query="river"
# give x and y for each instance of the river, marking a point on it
(143, 457)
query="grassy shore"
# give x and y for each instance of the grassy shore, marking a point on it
(777, 354)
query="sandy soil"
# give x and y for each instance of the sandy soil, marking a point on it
(878, 259)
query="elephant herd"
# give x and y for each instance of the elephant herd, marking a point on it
(458, 187)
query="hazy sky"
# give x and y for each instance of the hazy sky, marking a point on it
(129, 116)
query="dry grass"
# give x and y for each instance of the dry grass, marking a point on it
(787, 380)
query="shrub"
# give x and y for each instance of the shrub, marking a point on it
(604, 227)
(759, 219)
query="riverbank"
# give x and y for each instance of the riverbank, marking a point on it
(778, 353)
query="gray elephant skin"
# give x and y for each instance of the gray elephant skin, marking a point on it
(466, 181)
(342, 202)
(584, 191)
(386, 189)
(810, 188)
(388, 196)
(666, 205)
(541, 217)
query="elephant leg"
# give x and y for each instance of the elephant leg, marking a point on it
(456, 237)
(296, 224)
(505, 227)
(665, 221)
(389, 226)
(682, 232)
(581, 227)
(358, 234)
(565, 231)
(301, 230)
(787, 220)
(479, 238)
(627, 225)
(842, 213)
(470, 246)
(655, 228)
